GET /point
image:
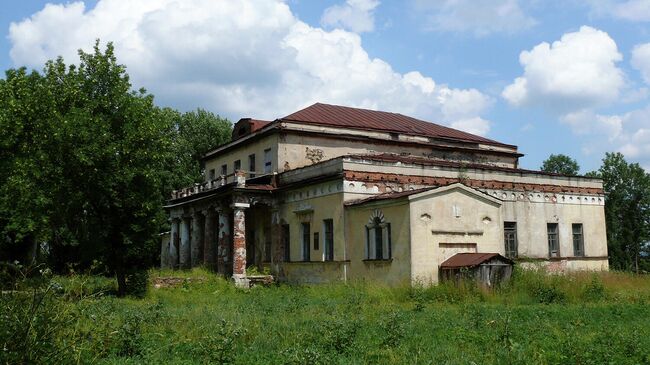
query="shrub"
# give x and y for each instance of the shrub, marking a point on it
(136, 283)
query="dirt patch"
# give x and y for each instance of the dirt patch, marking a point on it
(172, 282)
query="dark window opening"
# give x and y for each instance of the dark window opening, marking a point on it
(578, 240)
(224, 170)
(328, 225)
(286, 240)
(251, 165)
(306, 239)
(316, 242)
(510, 238)
(553, 240)
(236, 165)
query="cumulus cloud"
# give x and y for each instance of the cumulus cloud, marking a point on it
(641, 60)
(576, 72)
(631, 10)
(589, 122)
(239, 58)
(355, 15)
(479, 17)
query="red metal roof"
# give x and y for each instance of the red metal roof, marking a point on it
(342, 116)
(470, 259)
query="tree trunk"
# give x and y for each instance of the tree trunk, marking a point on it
(121, 281)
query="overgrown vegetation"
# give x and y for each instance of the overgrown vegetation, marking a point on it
(86, 163)
(586, 318)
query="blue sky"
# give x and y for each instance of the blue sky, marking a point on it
(549, 76)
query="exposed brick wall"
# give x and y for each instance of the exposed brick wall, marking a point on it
(377, 177)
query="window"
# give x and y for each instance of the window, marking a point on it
(236, 165)
(378, 240)
(328, 229)
(510, 238)
(251, 165)
(224, 170)
(316, 242)
(286, 241)
(268, 163)
(578, 240)
(306, 237)
(211, 174)
(553, 240)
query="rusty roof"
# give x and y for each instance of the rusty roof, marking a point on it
(343, 116)
(470, 259)
(385, 196)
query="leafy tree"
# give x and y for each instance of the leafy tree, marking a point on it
(84, 158)
(560, 164)
(627, 210)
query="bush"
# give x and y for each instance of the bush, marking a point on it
(594, 290)
(136, 283)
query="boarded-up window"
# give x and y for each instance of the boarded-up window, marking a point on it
(306, 240)
(510, 238)
(553, 240)
(578, 240)
(328, 229)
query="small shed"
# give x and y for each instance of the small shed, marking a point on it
(488, 269)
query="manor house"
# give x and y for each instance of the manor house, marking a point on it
(338, 193)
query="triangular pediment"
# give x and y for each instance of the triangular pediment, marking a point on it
(456, 187)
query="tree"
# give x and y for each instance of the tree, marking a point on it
(560, 164)
(85, 158)
(627, 210)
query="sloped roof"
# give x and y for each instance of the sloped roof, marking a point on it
(347, 117)
(470, 259)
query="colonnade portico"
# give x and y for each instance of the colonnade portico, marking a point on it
(213, 234)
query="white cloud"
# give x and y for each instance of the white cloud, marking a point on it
(238, 58)
(641, 60)
(355, 15)
(576, 72)
(628, 133)
(588, 122)
(476, 125)
(479, 17)
(631, 10)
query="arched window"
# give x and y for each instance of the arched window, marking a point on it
(378, 240)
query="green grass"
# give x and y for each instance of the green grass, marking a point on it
(582, 318)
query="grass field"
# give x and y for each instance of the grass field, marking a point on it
(538, 319)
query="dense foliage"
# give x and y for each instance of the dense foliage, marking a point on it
(538, 319)
(627, 212)
(86, 164)
(560, 164)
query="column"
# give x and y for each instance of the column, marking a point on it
(277, 243)
(209, 244)
(223, 242)
(173, 244)
(196, 245)
(184, 253)
(239, 245)
(164, 250)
